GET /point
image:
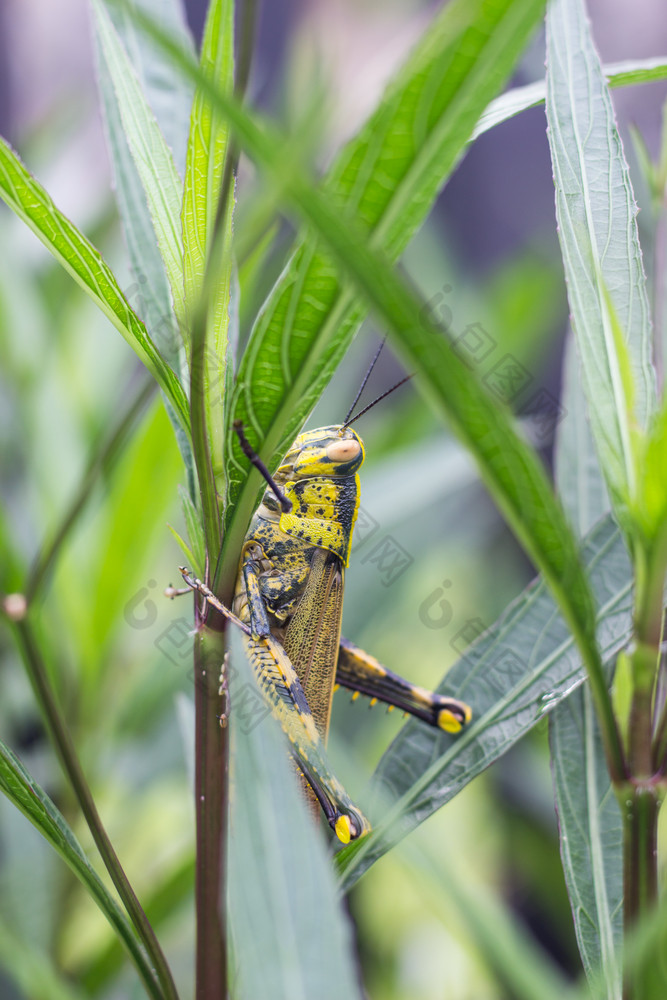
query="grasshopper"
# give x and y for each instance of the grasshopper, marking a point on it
(289, 601)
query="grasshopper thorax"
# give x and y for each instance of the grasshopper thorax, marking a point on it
(319, 478)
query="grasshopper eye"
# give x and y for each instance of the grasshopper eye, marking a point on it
(343, 451)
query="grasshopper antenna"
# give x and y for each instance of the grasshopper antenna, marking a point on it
(363, 384)
(253, 457)
(370, 406)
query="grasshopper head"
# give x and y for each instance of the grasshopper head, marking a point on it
(327, 451)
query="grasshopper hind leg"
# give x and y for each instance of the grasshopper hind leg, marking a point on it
(362, 673)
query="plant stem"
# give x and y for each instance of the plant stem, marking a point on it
(639, 807)
(212, 739)
(62, 741)
(641, 796)
(211, 802)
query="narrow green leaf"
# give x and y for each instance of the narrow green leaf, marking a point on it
(80, 258)
(291, 937)
(152, 156)
(36, 806)
(589, 820)
(577, 471)
(168, 94)
(150, 294)
(522, 667)
(591, 838)
(652, 502)
(207, 152)
(195, 531)
(596, 214)
(170, 97)
(513, 102)
(184, 547)
(388, 175)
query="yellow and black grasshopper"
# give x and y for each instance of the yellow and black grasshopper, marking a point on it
(289, 602)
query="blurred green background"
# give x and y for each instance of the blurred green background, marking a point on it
(120, 652)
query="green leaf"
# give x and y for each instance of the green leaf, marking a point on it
(36, 806)
(523, 666)
(388, 175)
(652, 501)
(185, 548)
(79, 257)
(291, 937)
(207, 153)
(195, 531)
(170, 96)
(596, 215)
(152, 157)
(621, 74)
(589, 820)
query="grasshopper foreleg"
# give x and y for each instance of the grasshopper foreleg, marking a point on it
(362, 673)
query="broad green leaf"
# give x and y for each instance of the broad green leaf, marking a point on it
(290, 935)
(589, 820)
(388, 175)
(79, 257)
(152, 157)
(512, 677)
(596, 215)
(36, 806)
(513, 102)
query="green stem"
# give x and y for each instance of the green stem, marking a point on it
(644, 664)
(62, 741)
(639, 805)
(640, 798)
